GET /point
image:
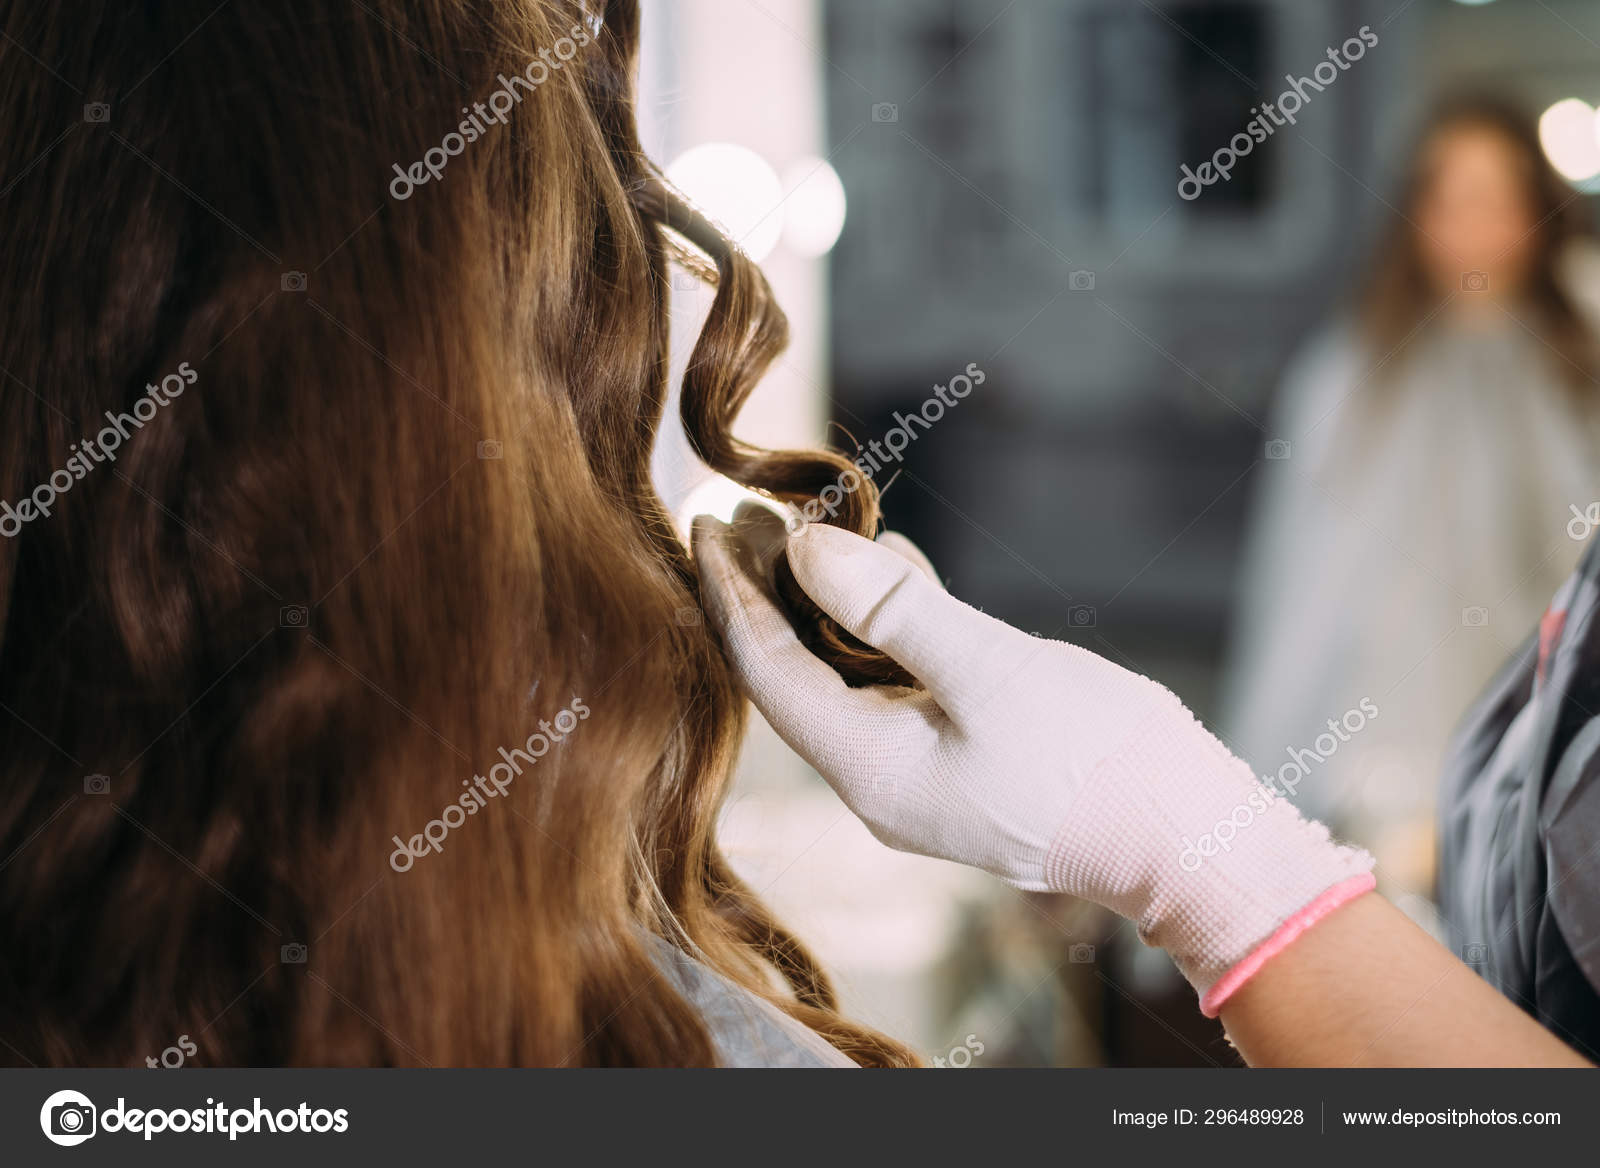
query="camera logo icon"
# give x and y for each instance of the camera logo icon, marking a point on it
(685, 282)
(96, 784)
(97, 112)
(1476, 617)
(1475, 281)
(294, 282)
(293, 953)
(1081, 281)
(689, 617)
(67, 1118)
(491, 450)
(885, 113)
(294, 616)
(1081, 954)
(1278, 450)
(1475, 954)
(1082, 616)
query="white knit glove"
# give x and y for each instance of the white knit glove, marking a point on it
(1032, 759)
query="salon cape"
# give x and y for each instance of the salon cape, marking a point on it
(746, 1030)
(1413, 491)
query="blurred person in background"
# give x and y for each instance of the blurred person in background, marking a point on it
(1426, 458)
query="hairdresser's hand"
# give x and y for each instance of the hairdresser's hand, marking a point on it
(1035, 760)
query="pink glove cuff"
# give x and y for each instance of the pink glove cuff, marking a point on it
(1336, 897)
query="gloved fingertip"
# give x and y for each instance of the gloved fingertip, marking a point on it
(911, 553)
(846, 575)
(814, 535)
(818, 552)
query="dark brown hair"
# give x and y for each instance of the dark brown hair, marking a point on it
(306, 604)
(1398, 297)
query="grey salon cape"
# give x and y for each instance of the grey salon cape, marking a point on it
(746, 1031)
(1519, 882)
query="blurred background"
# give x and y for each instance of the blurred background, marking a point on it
(1312, 444)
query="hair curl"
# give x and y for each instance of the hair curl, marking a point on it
(329, 463)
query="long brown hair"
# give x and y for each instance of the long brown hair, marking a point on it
(1398, 298)
(300, 610)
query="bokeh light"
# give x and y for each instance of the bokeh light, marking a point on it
(814, 210)
(738, 189)
(1567, 132)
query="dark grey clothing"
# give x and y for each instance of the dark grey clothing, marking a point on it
(1519, 882)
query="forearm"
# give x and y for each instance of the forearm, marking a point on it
(1366, 987)
(1059, 771)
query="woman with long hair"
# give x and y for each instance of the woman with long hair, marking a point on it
(269, 621)
(355, 708)
(1437, 441)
